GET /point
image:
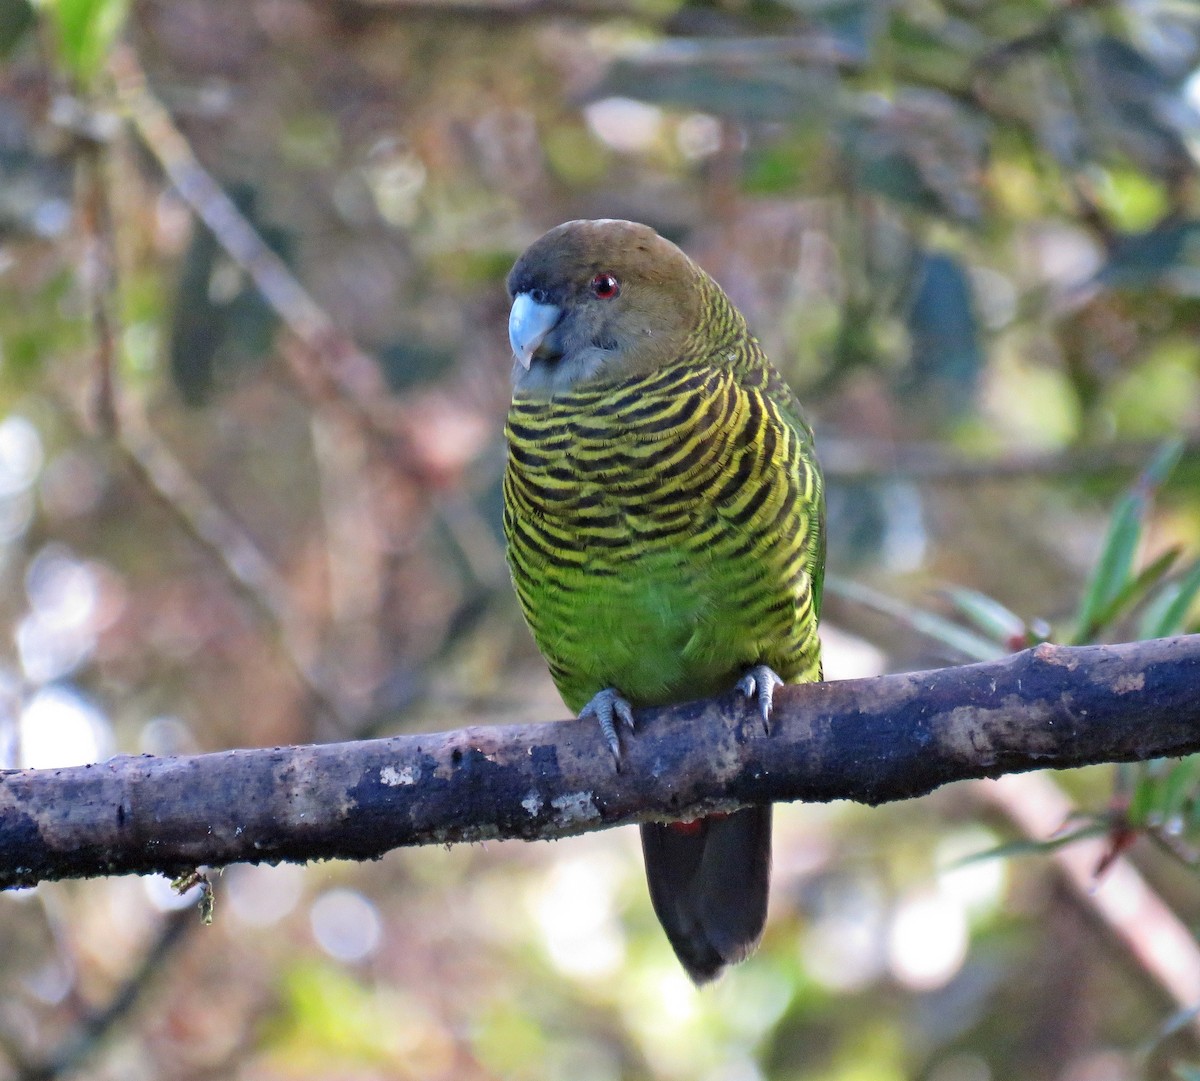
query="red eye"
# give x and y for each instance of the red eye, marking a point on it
(605, 286)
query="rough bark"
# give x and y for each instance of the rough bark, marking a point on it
(870, 740)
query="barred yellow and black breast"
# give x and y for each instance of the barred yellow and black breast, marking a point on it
(664, 531)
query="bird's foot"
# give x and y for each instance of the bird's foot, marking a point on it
(760, 683)
(609, 708)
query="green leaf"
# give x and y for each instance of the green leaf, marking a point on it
(220, 326)
(988, 614)
(1160, 468)
(1143, 260)
(1036, 848)
(1132, 106)
(970, 645)
(1112, 579)
(1169, 613)
(1113, 568)
(84, 32)
(1130, 198)
(946, 356)
(922, 151)
(1179, 788)
(16, 18)
(1135, 589)
(1165, 790)
(1141, 803)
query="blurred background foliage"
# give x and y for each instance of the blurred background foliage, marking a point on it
(238, 511)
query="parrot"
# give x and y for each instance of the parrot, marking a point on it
(663, 514)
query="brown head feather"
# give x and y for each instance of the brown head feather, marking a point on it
(658, 304)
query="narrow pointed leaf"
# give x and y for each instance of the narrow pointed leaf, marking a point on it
(1115, 565)
(987, 613)
(1035, 848)
(1177, 601)
(85, 31)
(962, 641)
(1136, 589)
(1181, 785)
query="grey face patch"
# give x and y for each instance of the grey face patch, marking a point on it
(546, 378)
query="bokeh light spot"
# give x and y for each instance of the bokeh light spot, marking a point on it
(574, 909)
(345, 924)
(624, 124)
(262, 896)
(21, 454)
(59, 727)
(927, 941)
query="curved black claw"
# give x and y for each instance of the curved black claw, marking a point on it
(760, 683)
(608, 708)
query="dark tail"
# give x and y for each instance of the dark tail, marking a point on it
(708, 882)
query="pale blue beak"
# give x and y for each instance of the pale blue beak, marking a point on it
(528, 324)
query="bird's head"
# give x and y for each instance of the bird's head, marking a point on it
(598, 301)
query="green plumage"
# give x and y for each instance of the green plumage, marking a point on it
(664, 520)
(664, 531)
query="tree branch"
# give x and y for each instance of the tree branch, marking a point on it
(870, 740)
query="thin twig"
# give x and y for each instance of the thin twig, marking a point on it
(152, 463)
(98, 274)
(357, 375)
(96, 1026)
(343, 385)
